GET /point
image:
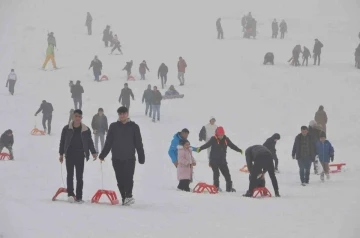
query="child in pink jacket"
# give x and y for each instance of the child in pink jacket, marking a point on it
(185, 165)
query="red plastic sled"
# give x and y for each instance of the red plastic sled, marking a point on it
(4, 156)
(262, 192)
(338, 167)
(244, 169)
(37, 132)
(109, 193)
(200, 187)
(60, 190)
(131, 78)
(104, 78)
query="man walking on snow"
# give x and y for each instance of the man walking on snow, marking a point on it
(173, 150)
(88, 23)
(76, 93)
(12, 78)
(123, 138)
(96, 64)
(317, 51)
(181, 70)
(75, 144)
(125, 95)
(46, 108)
(99, 125)
(219, 29)
(147, 98)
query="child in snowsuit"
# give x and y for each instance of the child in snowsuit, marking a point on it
(219, 144)
(325, 151)
(7, 141)
(185, 165)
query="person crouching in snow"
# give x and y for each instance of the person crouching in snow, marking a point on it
(219, 143)
(325, 151)
(185, 165)
(269, 58)
(172, 91)
(7, 141)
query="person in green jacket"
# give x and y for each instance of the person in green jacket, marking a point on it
(50, 55)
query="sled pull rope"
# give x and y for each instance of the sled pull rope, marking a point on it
(102, 177)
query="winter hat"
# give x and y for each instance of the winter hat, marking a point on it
(183, 142)
(212, 118)
(78, 111)
(122, 110)
(322, 134)
(220, 131)
(276, 136)
(313, 123)
(304, 128)
(321, 108)
(9, 131)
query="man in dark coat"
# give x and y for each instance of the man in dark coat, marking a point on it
(304, 152)
(275, 29)
(162, 72)
(96, 64)
(106, 36)
(219, 144)
(75, 144)
(76, 93)
(7, 141)
(147, 98)
(269, 58)
(283, 29)
(306, 55)
(128, 67)
(46, 108)
(123, 138)
(219, 29)
(317, 51)
(99, 125)
(321, 118)
(156, 103)
(259, 161)
(88, 23)
(315, 130)
(125, 95)
(270, 145)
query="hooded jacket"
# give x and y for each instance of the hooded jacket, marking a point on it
(325, 151)
(173, 150)
(7, 140)
(185, 159)
(254, 153)
(271, 143)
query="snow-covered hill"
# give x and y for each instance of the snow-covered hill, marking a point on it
(225, 79)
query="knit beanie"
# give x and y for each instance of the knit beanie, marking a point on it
(220, 131)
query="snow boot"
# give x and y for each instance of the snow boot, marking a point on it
(229, 188)
(79, 201)
(322, 177)
(327, 176)
(303, 184)
(248, 194)
(71, 199)
(277, 194)
(128, 201)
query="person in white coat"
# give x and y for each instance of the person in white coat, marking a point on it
(11, 81)
(207, 132)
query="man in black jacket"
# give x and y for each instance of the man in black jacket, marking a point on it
(162, 72)
(76, 93)
(219, 29)
(304, 151)
(219, 144)
(270, 145)
(123, 138)
(147, 98)
(47, 110)
(99, 125)
(317, 51)
(75, 144)
(96, 64)
(156, 103)
(125, 94)
(259, 161)
(7, 141)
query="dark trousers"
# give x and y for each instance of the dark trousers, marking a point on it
(78, 103)
(89, 28)
(97, 76)
(163, 80)
(274, 35)
(224, 169)
(282, 35)
(47, 118)
(305, 59)
(148, 109)
(76, 161)
(304, 169)
(142, 76)
(117, 46)
(220, 34)
(317, 58)
(124, 172)
(276, 160)
(126, 104)
(184, 185)
(12, 86)
(263, 163)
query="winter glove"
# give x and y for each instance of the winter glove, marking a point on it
(198, 150)
(141, 160)
(241, 152)
(332, 158)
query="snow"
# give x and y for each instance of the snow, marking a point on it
(225, 79)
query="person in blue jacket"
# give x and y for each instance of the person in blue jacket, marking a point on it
(173, 151)
(325, 151)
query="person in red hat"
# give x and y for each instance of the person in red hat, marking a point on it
(219, 143)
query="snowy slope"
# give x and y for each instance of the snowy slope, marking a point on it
(225, 79)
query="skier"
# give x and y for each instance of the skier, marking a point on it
(172, 91)
(96, 64)
(75, 144)
(116, 45)
(12, 78)
(269, 58)
(219, 143)
(317, 51)
(99, 125)
(162, 72)
(156, 103)
(304, 152)
(125, 94)
(50, 55)
(270, 144)
(46, 108)
(219, 29)
(259, 161)
(142, 69)
(123, 138)
(173, 149)
(88, 23)
(207, 132)
(128, 67)
(186, 162)
(305, 56)
(106, 36)
(181, 70)
(321, 118)
(51, 39)
(76, 93)
(275, 29)
(7, 141)
(147, 98)
(325, 151)
(283, 29)
(314, 131)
